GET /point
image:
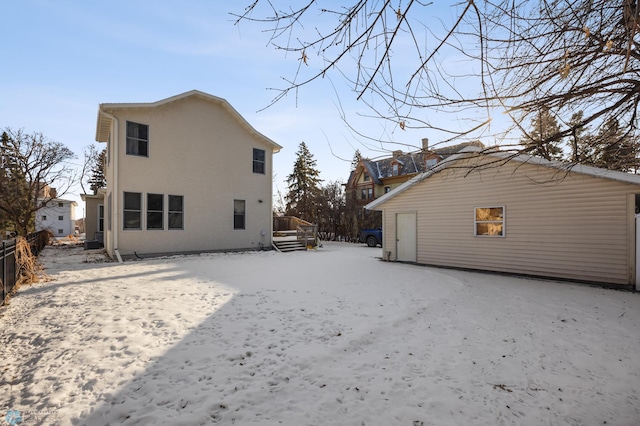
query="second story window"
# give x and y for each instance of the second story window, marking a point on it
(258, 161)
(366, 193)
(366, 177)
(137, 139)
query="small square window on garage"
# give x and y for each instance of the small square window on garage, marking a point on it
(489, 222)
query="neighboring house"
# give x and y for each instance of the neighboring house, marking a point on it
(94, 215)
(184, 174)
(521, 215)
(58, 216)
(372, 179)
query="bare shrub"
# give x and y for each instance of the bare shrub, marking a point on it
(28, 268)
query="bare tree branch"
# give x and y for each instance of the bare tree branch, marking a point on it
(562, 56)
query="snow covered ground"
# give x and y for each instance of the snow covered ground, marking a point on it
(328, 337)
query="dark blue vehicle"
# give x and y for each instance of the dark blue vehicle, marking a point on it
(373, 237)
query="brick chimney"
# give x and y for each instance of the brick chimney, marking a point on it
(425, 144)
(397, 153)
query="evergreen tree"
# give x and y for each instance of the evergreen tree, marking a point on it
(4, 219)
(97, 179)
(14, 188)
(581, 141)
(357, 157)
(617, 150)
(303, 186)
(540, 140)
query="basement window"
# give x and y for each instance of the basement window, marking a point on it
(489, 222)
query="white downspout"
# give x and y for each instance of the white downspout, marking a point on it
(115, 193)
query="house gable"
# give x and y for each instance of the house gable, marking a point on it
(105, 117)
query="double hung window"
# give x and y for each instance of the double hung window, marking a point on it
(100, 217)
(258, 161)
(176, 212)
(137, 139)
(238, 214)
(155, 211)
(132, 210)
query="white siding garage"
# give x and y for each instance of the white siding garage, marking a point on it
(524, 216)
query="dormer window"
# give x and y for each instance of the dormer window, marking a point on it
(395, 169)
(431, 163)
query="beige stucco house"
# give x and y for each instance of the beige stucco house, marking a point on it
(94, 215)
(521, 215)
(184, 174)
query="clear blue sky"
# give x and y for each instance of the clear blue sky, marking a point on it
(60, 59)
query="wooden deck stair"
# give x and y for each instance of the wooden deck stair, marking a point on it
(293, 234)
(286, 246)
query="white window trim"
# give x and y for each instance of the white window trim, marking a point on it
(503, 221)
